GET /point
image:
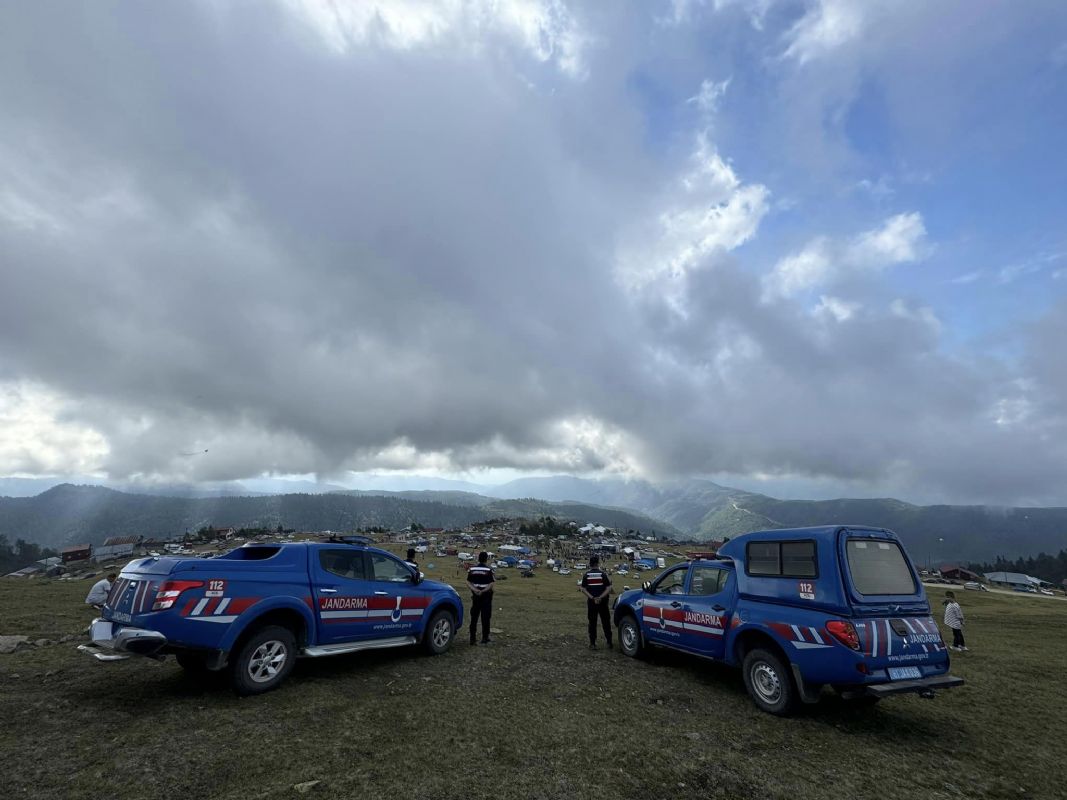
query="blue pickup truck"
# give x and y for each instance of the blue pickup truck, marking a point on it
(797, 610)
(255, 609)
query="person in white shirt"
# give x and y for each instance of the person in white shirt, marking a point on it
(954, 619)
(98, 594)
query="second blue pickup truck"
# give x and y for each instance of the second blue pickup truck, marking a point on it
(797, 610)
(254, 610)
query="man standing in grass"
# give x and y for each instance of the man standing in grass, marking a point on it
(954, 619)
(596, 586)
(480, 579)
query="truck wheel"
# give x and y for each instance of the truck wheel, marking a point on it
(769, 683)
(265, 660)
(630, 637)
(440, 632)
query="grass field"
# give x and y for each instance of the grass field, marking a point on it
(535, 715)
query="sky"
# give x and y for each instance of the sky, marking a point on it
(810, 247)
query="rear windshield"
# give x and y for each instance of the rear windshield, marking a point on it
(878, 567)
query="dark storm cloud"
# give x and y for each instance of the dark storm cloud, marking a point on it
(222, 234)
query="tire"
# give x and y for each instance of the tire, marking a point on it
(265, 660)
(440, 631)
(769, 683)
(630, 637)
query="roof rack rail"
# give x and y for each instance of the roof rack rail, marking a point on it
(350, 540)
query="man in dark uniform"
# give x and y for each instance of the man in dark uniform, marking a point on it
(480, 579)
(596, 585)
(410, 560)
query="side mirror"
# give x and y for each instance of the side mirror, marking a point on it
(647, 586)
(417, 577)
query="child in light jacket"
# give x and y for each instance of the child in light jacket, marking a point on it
(954, 620)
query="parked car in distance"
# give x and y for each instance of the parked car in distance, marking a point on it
(254, 610)
(797, 610)
(975, 586)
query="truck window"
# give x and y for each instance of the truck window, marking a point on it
(672, 582)
(798, 559)
(344, 563)
(384, 568)
(763, 558)
(878, 567)
(708, 580)
(782, 559)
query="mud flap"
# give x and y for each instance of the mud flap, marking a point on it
(809, 692)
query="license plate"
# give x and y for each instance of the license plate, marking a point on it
(101, 631)
(904, 673)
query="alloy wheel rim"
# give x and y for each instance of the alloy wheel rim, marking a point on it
(267, 661)
(442, 632)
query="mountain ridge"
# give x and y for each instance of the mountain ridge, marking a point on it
(694, 509)
(68, 514)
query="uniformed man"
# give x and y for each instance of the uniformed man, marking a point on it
(410, 560)
(480, 579)
(596, 585)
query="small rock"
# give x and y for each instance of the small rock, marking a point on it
(306, 786)
(495, 631)
(50, 673)
(42, 642)
(427, 678)
(693, 735)
(9, 644)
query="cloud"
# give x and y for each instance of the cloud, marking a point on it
(1033, 265)
(544, 29)
(711, 92)
(707, 209)
(427, 236)
(836, 309)
(967, 277)
(39, 437)
(900, 240)
(825, 27)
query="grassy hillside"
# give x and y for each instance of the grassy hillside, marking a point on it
(537, 715)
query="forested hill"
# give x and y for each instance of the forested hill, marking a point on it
(68, 514)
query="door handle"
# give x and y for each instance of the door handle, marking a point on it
(676, 604)
(382, 593)
(717, 607)
(328, 591)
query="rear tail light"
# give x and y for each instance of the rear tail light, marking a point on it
(844, 632)
(169, 591)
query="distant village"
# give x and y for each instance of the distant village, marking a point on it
(535, 541)
(512, 542)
